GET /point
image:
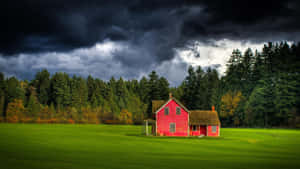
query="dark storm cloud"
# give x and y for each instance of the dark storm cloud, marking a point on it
(149, 31)
(34, 26)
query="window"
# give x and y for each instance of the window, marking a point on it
(194, 128)
(178, 110)
(172, 127)
(166, 110)
(213, 129)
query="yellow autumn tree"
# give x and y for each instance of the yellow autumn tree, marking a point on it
(15, 111)
(125, 117)
(90, 115)
(45, 112)
(229, 103)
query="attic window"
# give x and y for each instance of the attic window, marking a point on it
(178, 110)
(214, 129)
(166, 110)
(172, 127)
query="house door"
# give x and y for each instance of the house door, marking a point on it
(203, 130)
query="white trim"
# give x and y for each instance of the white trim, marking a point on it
(188, 124)
(146, 127)
(162, 106)
(156, 124)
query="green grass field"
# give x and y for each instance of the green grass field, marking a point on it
(43, 146)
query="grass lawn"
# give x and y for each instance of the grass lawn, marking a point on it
(43, 146)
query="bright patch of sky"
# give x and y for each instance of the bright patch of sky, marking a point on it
(215, 53)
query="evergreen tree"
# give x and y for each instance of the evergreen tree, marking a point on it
(60, 90)
(286, 96)
(189, 86)
(163, 88)
(14, 90)
(2, 94)
(144, 89)
(91, 88)
(154, 91)
(154, 86)
(79, 92)
(234, 71)
(42, 85)
(258, 69)
(247, 64)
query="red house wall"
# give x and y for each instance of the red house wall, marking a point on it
(201, 130)
(163, 121)
(210, 133)
(194, 133)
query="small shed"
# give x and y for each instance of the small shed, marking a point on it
(204, 122)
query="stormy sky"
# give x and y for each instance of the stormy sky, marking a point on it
(130, 38)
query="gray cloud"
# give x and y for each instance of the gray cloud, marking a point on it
(47, 32)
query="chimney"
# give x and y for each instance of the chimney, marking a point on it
(170, 95)
(212, 108)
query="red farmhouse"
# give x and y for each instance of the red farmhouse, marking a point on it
(173, 119)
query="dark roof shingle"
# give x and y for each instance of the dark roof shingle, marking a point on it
(204, 117)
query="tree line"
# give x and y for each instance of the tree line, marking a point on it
(64, 99)
(258, 89)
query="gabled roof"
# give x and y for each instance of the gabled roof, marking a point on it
(204, 117)
(157, 105)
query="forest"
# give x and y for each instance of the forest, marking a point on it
(258, 89)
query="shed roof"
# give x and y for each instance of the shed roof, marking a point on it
(204, 117)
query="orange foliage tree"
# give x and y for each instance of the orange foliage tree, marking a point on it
(90, 115)
(229, 104)
(125, 117)
(15, 111)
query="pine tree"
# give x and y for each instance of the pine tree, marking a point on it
(42, 85)
(163, 88)
(144, 89)
(285, 101)
(2, 94)
(153, 91)
(258, 69)
(247, 64)
(91, 87)
(154, 86)
(189, 86)
(14, 91)
(60, 89)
